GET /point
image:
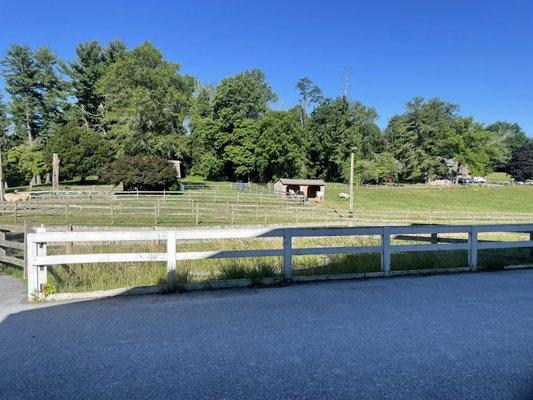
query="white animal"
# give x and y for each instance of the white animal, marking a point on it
(344, 196)
(14, 197)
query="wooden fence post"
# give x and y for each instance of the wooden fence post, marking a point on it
(472, 251)
(197, 215)
(434, 238)
(287, 254)
(385, 251)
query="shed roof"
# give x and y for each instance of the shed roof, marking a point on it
(303, 182)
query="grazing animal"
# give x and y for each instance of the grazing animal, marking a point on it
(14, 197)
(344, 196)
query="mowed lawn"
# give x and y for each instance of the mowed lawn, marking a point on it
(473, 198)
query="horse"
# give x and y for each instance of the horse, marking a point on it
(14, 197)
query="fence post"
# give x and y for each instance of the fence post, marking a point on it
(42, 271)
(385, 250)
(434, 238)
(472, 252)
(197, 215)
(287, 254)
(171, 260)
(26, 231)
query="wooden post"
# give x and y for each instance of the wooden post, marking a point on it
(197, 215)
(385, 251)
(55, 171)
(287, 254)
(434, 238)
(15, 214)
(66, 212)
(112, 212)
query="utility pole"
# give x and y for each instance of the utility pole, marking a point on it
(351, 177)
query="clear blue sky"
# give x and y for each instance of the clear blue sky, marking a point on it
(478, 54)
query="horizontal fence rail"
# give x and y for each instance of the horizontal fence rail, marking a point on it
(38, 259)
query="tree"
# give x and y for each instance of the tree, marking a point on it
(27, 159)
(520, 166)
(281, 147)
(140, 173)
(21, 75)
(83, 152)
(224, 127)
(309, 94)
(146, 102)
(4, 124)
(508, 137)
(52, 87)
(243, 96)
(84, 72)
(335, 127)
(378, 169)
(37, 91)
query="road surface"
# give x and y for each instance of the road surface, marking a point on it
(463, 336)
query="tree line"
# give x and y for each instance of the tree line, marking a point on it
(112, 107)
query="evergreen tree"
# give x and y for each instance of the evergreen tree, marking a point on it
(22, 83)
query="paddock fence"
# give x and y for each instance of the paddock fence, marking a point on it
(217, 211)
(38, 260)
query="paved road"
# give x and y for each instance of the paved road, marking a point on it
(467, 336)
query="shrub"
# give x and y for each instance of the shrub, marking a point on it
(140, 173)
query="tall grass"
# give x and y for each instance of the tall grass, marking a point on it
(85, 277)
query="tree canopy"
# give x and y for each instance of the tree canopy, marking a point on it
(109, 103)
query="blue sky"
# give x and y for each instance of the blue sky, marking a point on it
(478, 54)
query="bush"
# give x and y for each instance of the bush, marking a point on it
(140, 173)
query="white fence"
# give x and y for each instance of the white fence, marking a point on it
(38, 260)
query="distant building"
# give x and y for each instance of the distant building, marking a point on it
(313, 189)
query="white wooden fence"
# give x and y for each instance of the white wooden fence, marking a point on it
(38, 260)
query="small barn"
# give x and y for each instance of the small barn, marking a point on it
(313, 189)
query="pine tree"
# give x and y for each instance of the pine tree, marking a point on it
(22, 83)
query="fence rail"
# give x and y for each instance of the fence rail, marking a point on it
(38, 260)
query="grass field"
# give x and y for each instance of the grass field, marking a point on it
(219, 204)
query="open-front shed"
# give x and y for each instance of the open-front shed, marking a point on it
(313, 189)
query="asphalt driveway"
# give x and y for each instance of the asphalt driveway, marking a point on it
(463, 336)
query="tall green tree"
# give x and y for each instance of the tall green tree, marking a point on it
(84, 72)
(21, 74)
(508, 137)
(36, 90)
(335, 127)
(52, 87)
(146, 103)
(224, 127)
(310, 95)
(281, 147)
